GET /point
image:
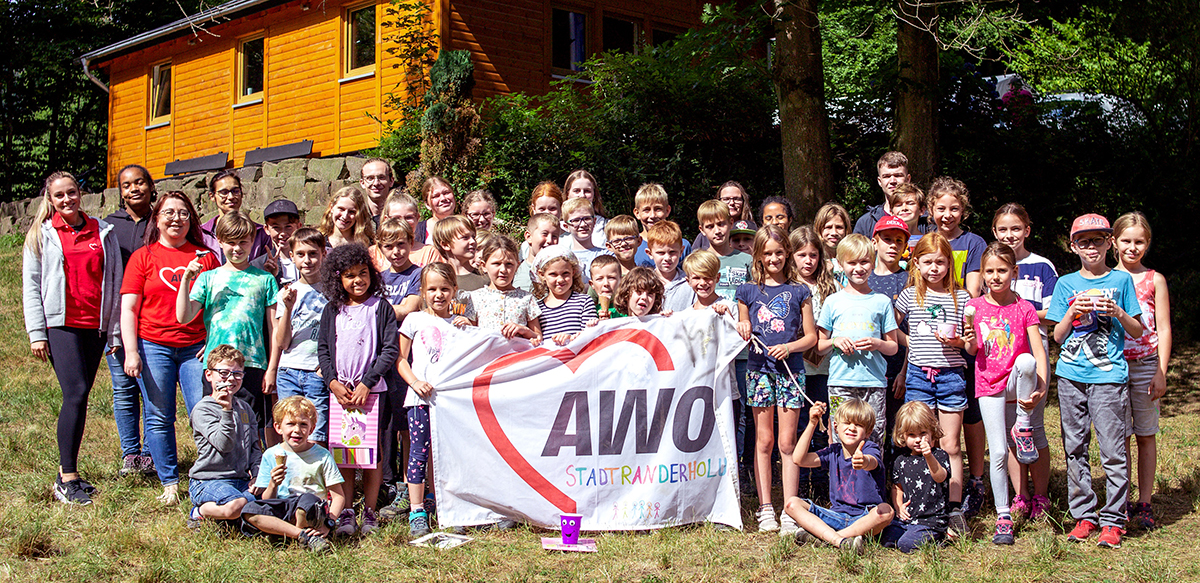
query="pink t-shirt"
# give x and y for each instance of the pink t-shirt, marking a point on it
(1146, 344)
(1001, 332)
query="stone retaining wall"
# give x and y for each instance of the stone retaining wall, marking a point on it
(308, 182)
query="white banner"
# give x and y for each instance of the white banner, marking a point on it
(630, 425)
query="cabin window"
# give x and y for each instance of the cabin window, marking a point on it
(569, 40)
(360, 41)
(160, 93)
(250, 69)
(664, 35)
(622, 35)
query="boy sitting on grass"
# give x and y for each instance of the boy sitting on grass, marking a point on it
(227, 449)
(294, 479)
(856, 479)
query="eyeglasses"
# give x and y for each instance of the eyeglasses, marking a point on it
(376, 179)
(182, 214)
(581, 221)
(1090, 242)
(227, 374)
(481, 216)
(230, 192)
(623, 241)
(731, 199)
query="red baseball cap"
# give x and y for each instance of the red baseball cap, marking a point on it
(1090, 222)
(889, 222)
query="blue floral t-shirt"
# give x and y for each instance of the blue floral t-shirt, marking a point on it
(776, 317)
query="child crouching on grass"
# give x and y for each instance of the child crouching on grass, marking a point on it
(920, 481)
(294, 480)
(856, 507)
(227, 448)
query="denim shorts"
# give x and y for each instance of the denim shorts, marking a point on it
(219, 492)
(947, 391)
(310, 385)
(773, 390)
(834, 519)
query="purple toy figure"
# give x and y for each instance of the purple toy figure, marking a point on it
(570, 528)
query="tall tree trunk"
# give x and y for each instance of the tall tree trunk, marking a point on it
(916, 104)
(800, 83)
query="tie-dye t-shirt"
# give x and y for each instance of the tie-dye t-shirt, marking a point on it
(235, 305)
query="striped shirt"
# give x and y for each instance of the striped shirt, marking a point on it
(570, 317)
(938, 314)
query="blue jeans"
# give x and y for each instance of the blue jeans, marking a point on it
(909, 537)
(219, 492)
(836, 520)
(127, 406)
(308, 384)
(164, 367)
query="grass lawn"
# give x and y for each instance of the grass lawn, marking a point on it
(127, 536)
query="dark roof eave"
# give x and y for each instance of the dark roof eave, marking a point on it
(228, 10)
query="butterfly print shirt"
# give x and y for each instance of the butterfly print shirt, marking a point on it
(775, 318)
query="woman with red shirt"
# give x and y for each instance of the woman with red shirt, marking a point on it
(70, 272)
(160, 352)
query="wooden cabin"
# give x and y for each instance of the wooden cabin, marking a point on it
(264, 77)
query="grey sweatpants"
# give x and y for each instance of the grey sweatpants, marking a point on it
(1105, 406)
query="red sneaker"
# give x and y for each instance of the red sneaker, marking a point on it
(1083, 529)
(1110, 537)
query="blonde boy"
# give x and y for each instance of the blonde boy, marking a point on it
(665, 242)
(540, 232)
(856, 478)
(715, 224)
(580, 219)
(624, 240)
(294, 479)
(650, 206)
(861, 325)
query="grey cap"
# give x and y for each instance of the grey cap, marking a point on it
(281, 206)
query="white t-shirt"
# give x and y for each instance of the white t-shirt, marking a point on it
(429, 334)
(301, 350)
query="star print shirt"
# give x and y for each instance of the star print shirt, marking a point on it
(1001, 332)
(776, 317)
(939, 312)
(926, 498)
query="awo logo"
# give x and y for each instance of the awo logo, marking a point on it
(653, 417)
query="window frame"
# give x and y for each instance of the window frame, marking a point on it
(589, 24)
(243, 97)
(348, 71)
(639, 31)
(156, 93)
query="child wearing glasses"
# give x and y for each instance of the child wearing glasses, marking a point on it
(580, 219)
(227, 451)
(1094, 309)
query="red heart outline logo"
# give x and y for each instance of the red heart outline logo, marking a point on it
(481, 389)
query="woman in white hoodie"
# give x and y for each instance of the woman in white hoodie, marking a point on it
(71, 273)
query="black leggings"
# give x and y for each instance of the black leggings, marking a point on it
(75, 354)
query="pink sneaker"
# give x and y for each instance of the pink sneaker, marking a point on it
(1038, 507)
(1020, 507)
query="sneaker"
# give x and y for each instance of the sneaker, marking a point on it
(130, 464)
(766, 519)
(346, 524)
(853, 546)
(1004, 532)
(195, 520)
(72, 492)
(369, 522)
(1110, 537)
(170, 495)
(145, 465)
(1038, 507)
(958, 525)
(1143, 516)
(399, 507)
(1020, 507)
(314, 542)
(506, 524)
(1023, 438)
(973, 495)
(429, 503)
(787, 525)
(803, 537)
(1083, 529)
(418, 523)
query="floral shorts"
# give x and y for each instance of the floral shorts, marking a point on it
(772, 390)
